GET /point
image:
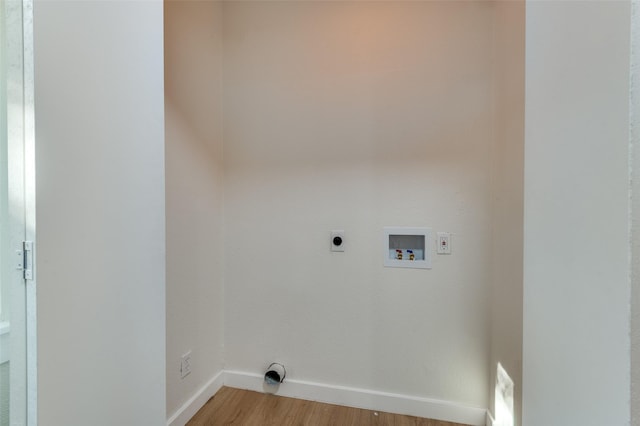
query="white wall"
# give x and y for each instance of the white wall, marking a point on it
(634, 117)
(100, 213)
(576, 365)
(355, 116)
(507, 214)
(194, 191)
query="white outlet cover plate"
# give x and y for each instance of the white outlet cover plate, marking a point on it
(444, 243)
(337, 233)
(185, 365)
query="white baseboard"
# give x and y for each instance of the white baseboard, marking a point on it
(333, 394)
(197, 401)
(364, 398)
(490, 419)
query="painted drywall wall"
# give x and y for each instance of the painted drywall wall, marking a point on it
(634, 163)
(100, 213)
(507, 214)
(356, 116)
(576, 366)
(194, 191)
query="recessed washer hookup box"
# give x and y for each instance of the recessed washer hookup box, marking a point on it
(407, 247)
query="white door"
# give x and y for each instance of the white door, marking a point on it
(17, 225)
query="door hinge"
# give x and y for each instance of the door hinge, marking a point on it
(25, 260)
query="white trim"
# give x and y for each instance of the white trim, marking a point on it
(339, 395)
(5, 350)
(364, 398)
(30, 208)
(18, 122)
(490, 419)
(197, 401)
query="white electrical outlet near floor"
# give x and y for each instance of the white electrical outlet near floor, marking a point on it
(185, 365)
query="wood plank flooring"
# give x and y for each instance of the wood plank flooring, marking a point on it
(246, 408)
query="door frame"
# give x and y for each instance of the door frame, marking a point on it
(18, 15)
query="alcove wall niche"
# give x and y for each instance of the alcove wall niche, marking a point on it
(286, 120)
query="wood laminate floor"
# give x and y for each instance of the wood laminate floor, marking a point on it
(241, 407)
